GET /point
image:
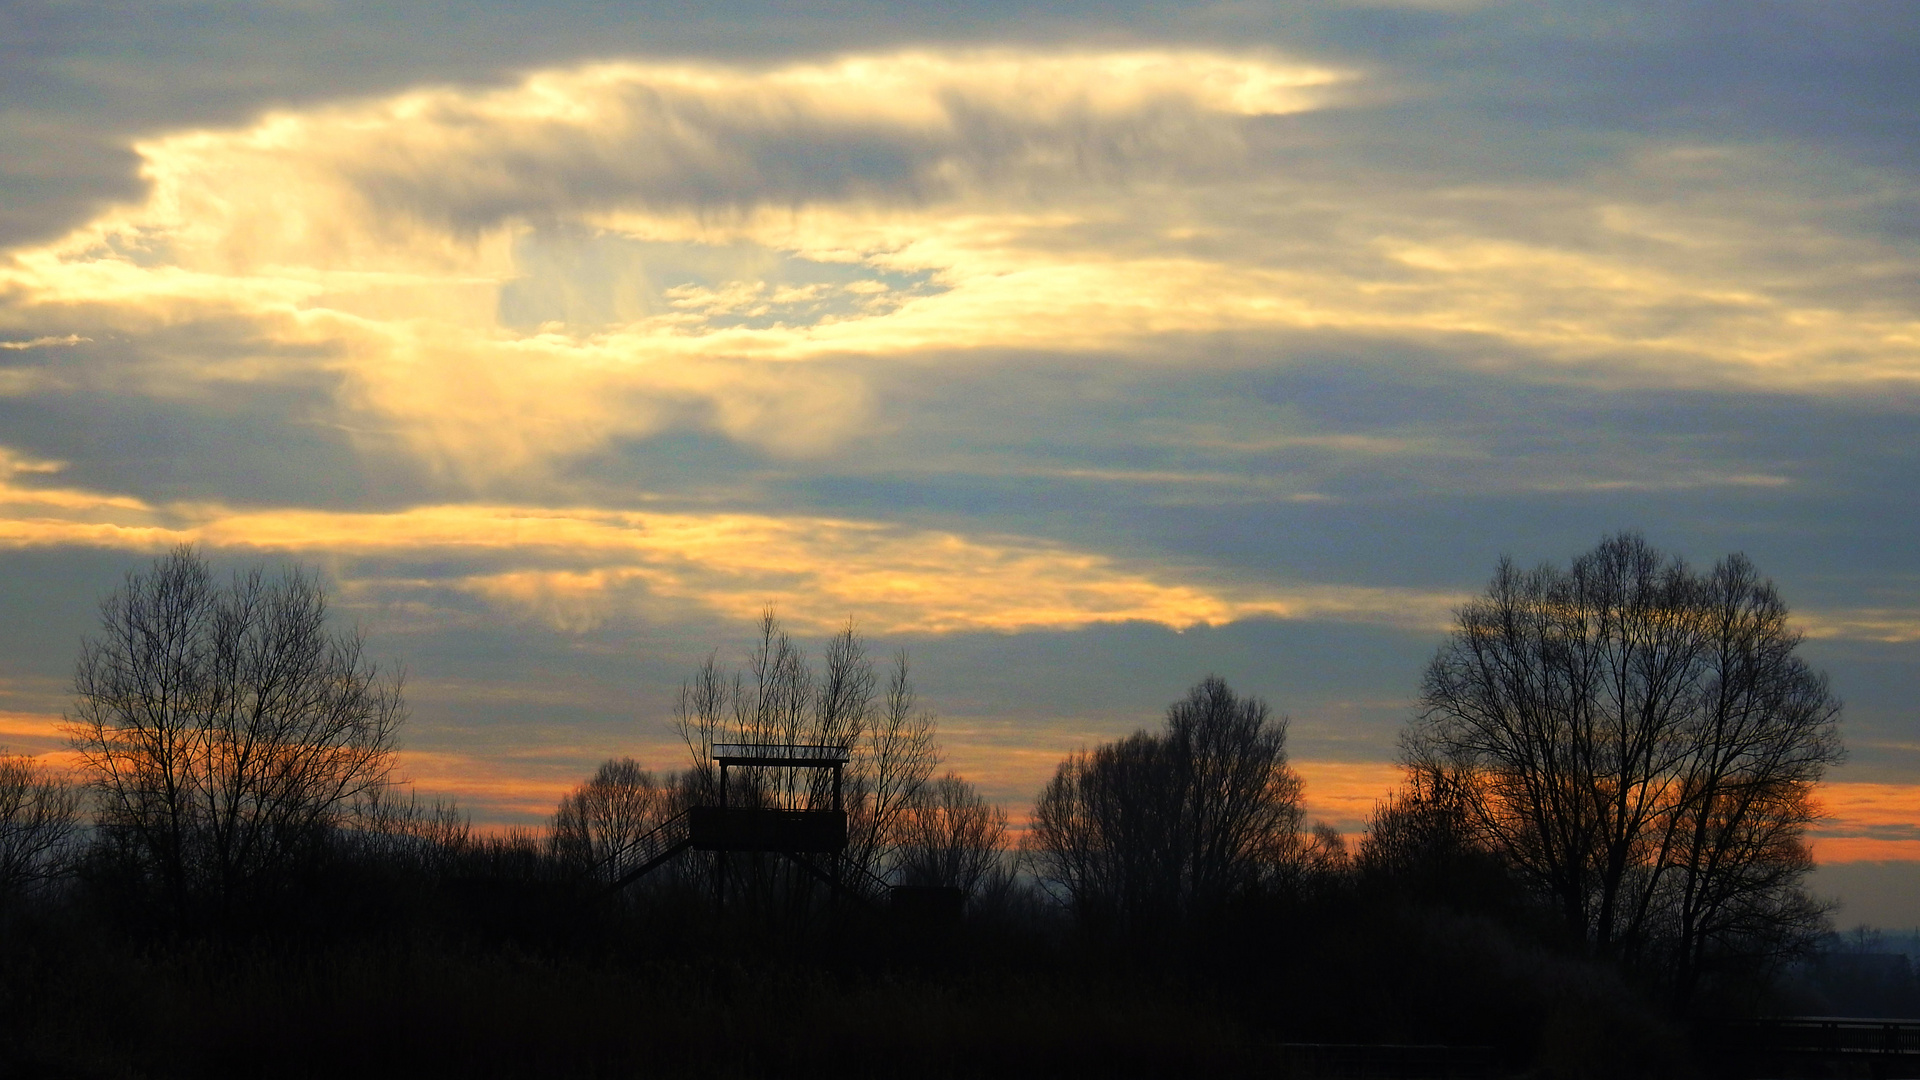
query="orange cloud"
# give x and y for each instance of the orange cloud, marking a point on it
(37, 735)
(1868, 822)
(1344, 793)
(1863, 822)
(1846, 849)
(508, 786)
(575, 567)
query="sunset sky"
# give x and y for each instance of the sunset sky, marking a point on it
(1078, 351)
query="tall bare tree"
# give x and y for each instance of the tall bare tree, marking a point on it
(39, 811)
(1641, 741)
(780, 699)
(1165, 825)
(894, 759)
(952, 836)
(225, 729)
(603, 817)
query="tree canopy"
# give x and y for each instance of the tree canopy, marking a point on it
(1162, 825)
(225, 727)
(1641, 741)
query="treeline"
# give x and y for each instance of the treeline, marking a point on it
(907, 824)
(1599, 843)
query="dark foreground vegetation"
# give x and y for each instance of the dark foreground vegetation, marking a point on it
(1597, 855)
(494, 963)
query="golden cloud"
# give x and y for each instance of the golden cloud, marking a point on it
(575, 567)
(38, 735)
(1345, 793)
(1846, 849)
(936, 203)
(1895, 626)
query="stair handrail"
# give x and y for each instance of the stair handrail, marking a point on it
(648, 847)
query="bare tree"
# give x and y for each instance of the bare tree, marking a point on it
(139, 714)
(225, 729)
(954, 837)
(894, 761)
(1641, 742)
(1421, 842)
(391, 822)
(779, 699)
(702, 715)
(606, 815)
(39, 812)
(1170, 824)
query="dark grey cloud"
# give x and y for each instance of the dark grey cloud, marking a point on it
(205, 408)
(1840, 76)
(655, 145)
(1096, 446)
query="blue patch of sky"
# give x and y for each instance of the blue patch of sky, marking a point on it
(590, 281)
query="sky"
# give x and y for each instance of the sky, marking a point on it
(1078, 351)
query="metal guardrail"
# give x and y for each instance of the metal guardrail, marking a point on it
(805, 754)
(635, 860)
(1827, 1036)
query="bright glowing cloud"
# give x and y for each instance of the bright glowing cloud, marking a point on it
(506, 279)
(36, 734)
(1868, 821)
(575, 567)
(387, 241)
(1892, 625)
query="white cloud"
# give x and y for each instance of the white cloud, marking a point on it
(44, 342)
(508, 279)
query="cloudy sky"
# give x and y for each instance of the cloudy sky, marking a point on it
(1078, 354)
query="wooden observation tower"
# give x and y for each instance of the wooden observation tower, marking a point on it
(797, 832)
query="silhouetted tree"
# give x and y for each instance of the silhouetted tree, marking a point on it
(225, 729)
(780, 700)
(898, 757)
(954, 837)
(390, 823)
(1641, 742)
(1422, 844)
(39, 811)
(1168, 824)
(604, 816)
